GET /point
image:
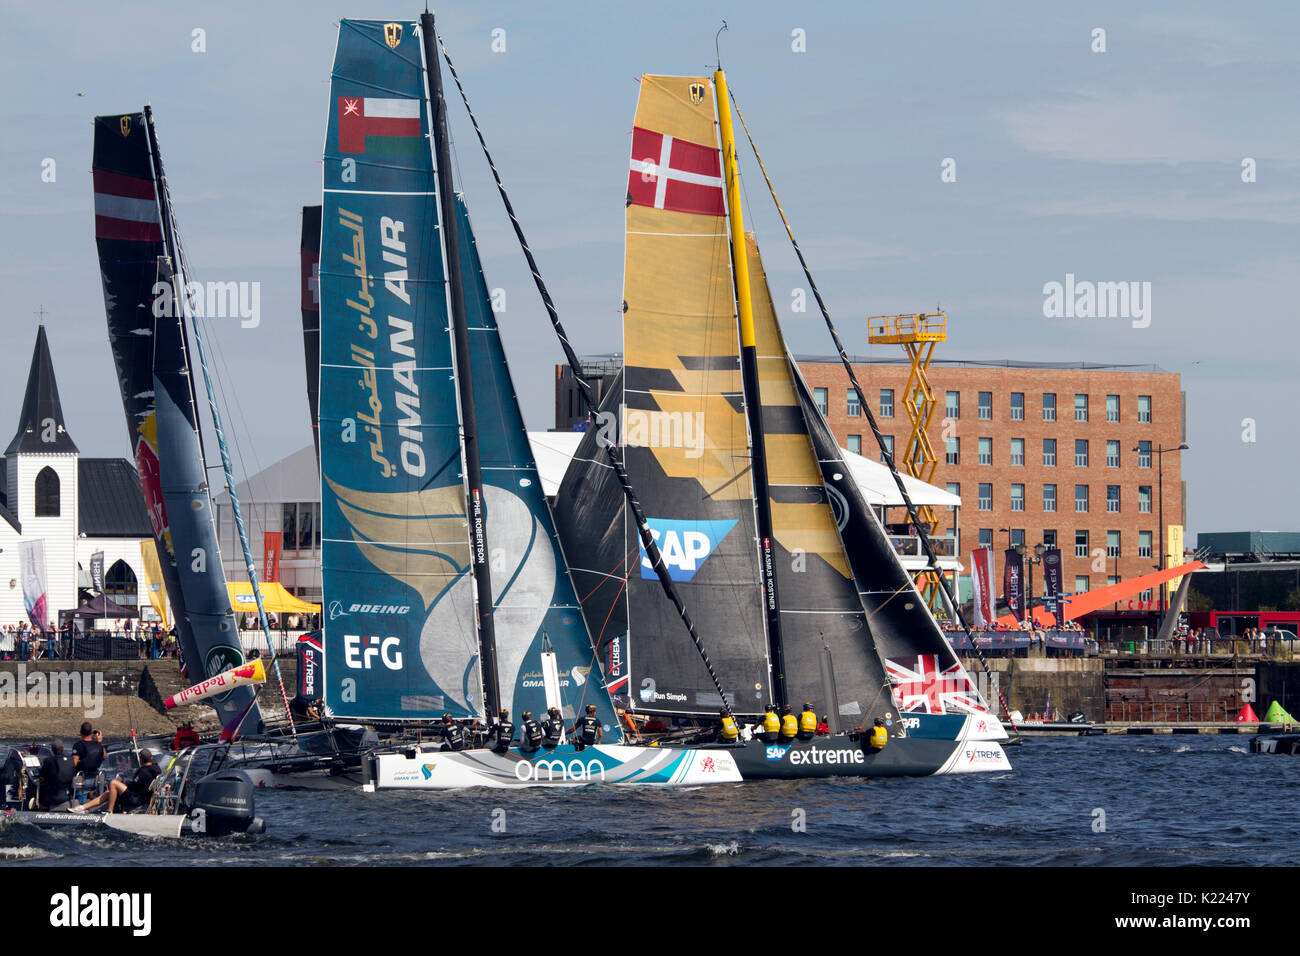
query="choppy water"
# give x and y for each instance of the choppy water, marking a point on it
(1182, 800)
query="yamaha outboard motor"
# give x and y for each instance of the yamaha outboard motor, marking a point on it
(223, 804)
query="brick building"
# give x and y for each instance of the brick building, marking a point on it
(1045, 450)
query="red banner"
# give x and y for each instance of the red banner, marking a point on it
(981, 576)
(271, 548)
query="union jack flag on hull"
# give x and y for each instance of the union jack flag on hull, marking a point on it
(920, 686)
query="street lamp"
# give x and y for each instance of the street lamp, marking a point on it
(1160, 452)
(1008, 531)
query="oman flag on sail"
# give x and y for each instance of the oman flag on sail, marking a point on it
(379, 126)
(676, 174)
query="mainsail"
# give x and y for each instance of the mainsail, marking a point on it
(147, 338)
(309, 253)
(683, 428)
(400, 637)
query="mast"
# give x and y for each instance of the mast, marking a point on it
(753, 406)
(474, 507)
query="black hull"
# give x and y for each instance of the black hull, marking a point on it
(842, 756)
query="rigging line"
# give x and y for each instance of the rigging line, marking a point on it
(589, 398)
(611, 575)
(931, 555)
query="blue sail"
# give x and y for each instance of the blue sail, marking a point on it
(400, 634)
(534, 601)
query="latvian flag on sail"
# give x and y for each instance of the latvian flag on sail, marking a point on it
(674, 174)
(379, 126)
(125, 208)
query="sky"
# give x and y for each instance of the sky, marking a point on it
(929, 155)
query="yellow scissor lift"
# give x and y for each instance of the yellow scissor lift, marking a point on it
(918, 333)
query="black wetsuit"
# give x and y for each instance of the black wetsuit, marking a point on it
(453, 736)
(587, 730)
(531, 736)
(137, 791)
(499, 737)
(89, 756)
(552, 730)
(56, 780)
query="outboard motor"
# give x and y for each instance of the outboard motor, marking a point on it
(20, 779)
(1077, 718)
(223, 804)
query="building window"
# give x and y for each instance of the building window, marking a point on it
(1112, 499)
(1145, 596)
(1081, 584)
(1049, 537)
(1017, 536)
(306, 525)
(1017, 406)
(1017, 497)
(1144, 499)
(1112, 454)
(986, 451)
(986, 537)
(47, 494)
(289, 524)
(1144, 408)
(1144, 544)
(120, 585)
(886, 403)
(1049, 497)
(1144, 454)
(1081, 498)
(1049, 406)
(854, 406)
(1081, 453)
(1081, 408)
(855, 444)
(1112, 408)
(1112, 579)
(1112, 544)
(819, 396)
(1081, 544)
(888, 447)
(986, 404)
(952, 405)
(1017, 451)
(1049, 452)
(986, 496)
(952, 451)
(954, 488)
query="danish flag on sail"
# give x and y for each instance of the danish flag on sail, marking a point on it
(674, 174)
(125, 208)
(919, 685)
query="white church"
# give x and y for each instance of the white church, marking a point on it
(76, 506)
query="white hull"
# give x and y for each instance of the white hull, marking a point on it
(564, 766)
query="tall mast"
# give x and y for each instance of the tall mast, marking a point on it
(475, 506)
(753, 407)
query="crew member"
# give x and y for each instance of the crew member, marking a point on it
(57, 771)
(530, 733)
(879, 736)
(552, 728)
(771, 726)
(807, 722)
(186, 736)
(824, 727)
(789, 726)
(87, 755)
(729, 732)
(587, 730)
(453, 735)
(500, 736)
(129, 796)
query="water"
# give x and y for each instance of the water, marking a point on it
(1167, 801)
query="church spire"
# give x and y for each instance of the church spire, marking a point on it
(41, 429)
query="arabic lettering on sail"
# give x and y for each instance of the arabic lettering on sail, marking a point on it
(362, 302)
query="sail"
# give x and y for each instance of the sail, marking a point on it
(153, 579)
(183, 487)
(829, 655)
(309, 253)
(533, 596)
(907, 637)
(129, 238)
(589, 517)
(683, 427)
(399, 621)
